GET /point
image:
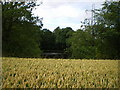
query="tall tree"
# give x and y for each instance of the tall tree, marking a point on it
(61, 36)
(108, 30)
(20, 31)
(48, 40)
(81, 45)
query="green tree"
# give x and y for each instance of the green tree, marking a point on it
(19, 30)
(108, 30)
(48, 40)
(61, 36)
(81, 45)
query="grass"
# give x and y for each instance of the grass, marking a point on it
(59, 73)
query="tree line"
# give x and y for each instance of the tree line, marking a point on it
(23, 37)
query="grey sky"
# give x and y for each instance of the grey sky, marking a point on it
(67, 13)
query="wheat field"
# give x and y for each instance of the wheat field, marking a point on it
(59, 73)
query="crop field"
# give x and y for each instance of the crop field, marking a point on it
(59, 73)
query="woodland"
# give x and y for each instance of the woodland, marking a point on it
(23, 37)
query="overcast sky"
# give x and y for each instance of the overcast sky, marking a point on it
(65, 13)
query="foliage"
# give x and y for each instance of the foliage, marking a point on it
(48, 40)
(108, 30)
(82, 45)
(102, 38)
(61, 36)
(20, 38)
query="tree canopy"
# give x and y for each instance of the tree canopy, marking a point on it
(23, 37)
(19, 30)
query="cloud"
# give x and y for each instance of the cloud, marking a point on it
(64, 13)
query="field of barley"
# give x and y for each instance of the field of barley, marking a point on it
(59, 73)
